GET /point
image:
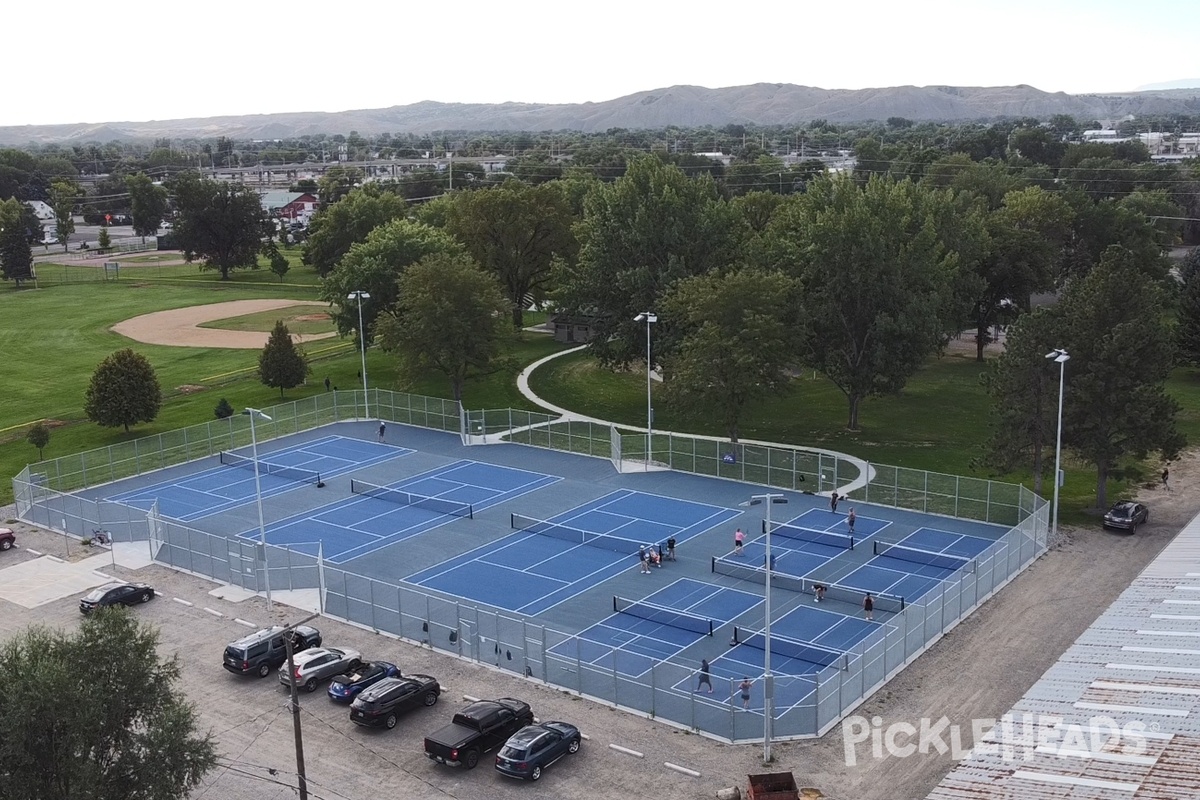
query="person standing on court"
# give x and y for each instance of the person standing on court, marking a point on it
(382, 429)
(739, 539)
(869, 607)
(705, 676)
(833, 501)
(819, 592)
(744, 688)
(644, 559)
(850, 520)
(671, 549)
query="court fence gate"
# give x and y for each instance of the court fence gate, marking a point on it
(45, 496)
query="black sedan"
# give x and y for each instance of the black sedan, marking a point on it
(533, 748)
(1127, 516)
(112, 594)
(345, 688)
(382, 704)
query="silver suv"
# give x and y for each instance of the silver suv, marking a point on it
(321, 664)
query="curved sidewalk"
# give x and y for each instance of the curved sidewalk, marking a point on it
(865, 471)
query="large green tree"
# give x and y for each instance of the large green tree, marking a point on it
(1187, 327)
(16, 256)
(1116, 405)
(738, 335)
(450, 318)
(96, 713)
(876, 279)
(148, 204)
(223, 224)
(639, 235)
(123, 391)
(373, 267)
(515, 231)
(281, 363)
(338, 225)
(1023, 386)
(63, 195)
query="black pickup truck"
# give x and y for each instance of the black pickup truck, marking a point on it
(475, 730)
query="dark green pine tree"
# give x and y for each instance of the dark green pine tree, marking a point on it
(1187, 331)
(281, 363)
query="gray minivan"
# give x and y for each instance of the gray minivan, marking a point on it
(265, 650)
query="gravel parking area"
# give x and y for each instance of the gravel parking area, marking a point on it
(977, 671)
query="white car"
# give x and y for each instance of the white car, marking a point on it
(320, 664)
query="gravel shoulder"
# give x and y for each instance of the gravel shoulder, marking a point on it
(977, 671)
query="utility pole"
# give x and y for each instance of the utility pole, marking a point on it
(295, 703)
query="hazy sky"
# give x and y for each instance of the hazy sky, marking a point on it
(141, 60)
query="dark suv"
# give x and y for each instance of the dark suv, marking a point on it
(265, 650)
(382, 704)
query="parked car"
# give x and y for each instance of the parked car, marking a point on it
(533, 748)
(7, 538)
(113, 594)
(383, 703)
(346, 687)
(1127, 516)
(264, 650)
(477, 729)
(314, 666)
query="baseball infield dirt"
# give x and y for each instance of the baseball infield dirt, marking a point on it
(180, 327)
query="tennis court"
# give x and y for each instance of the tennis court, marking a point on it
(374, 517)
(230, 484)
(641, 633)
(917, 564)
(547, 562)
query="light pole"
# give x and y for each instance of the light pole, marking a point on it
(1061, 357)
(262, 528)
(359, 296)
(649, 318)
(768, 679)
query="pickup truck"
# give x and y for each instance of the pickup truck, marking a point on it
(475, 730)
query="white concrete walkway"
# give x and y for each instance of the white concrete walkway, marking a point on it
(865, 472)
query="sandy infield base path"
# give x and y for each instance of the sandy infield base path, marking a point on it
(180, 327)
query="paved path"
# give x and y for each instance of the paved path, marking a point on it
(865, 471)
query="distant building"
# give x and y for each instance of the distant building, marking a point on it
(289, 205)
(40, 209)
(572, 329)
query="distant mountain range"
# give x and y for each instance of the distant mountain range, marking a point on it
(685, 106)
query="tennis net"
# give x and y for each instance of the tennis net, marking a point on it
(604, 541)
(929, 557)
(792, 648)
(833, 591)
(663, 615)
(438, 505)
(267, 468)
(809, 535)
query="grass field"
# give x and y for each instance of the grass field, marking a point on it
(307, 320)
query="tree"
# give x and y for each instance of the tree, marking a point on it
(337, 226)
(62, 200)
(737, 337)
(337, 182)
(450, 318)
(223, 409)
(38, 435)
(224, 224)
(123, 391)
(1023, 386)
(373, 267)
(104, 242)
(1027, 235)
(279, 263)
(16, 256)
(148, 204)
(97, 713)
(1116, 404)
(638, 236)
(281, 363)
(876, 279)
(515, 232)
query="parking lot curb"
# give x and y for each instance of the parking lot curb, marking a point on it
(627, 751)
(682, 770)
